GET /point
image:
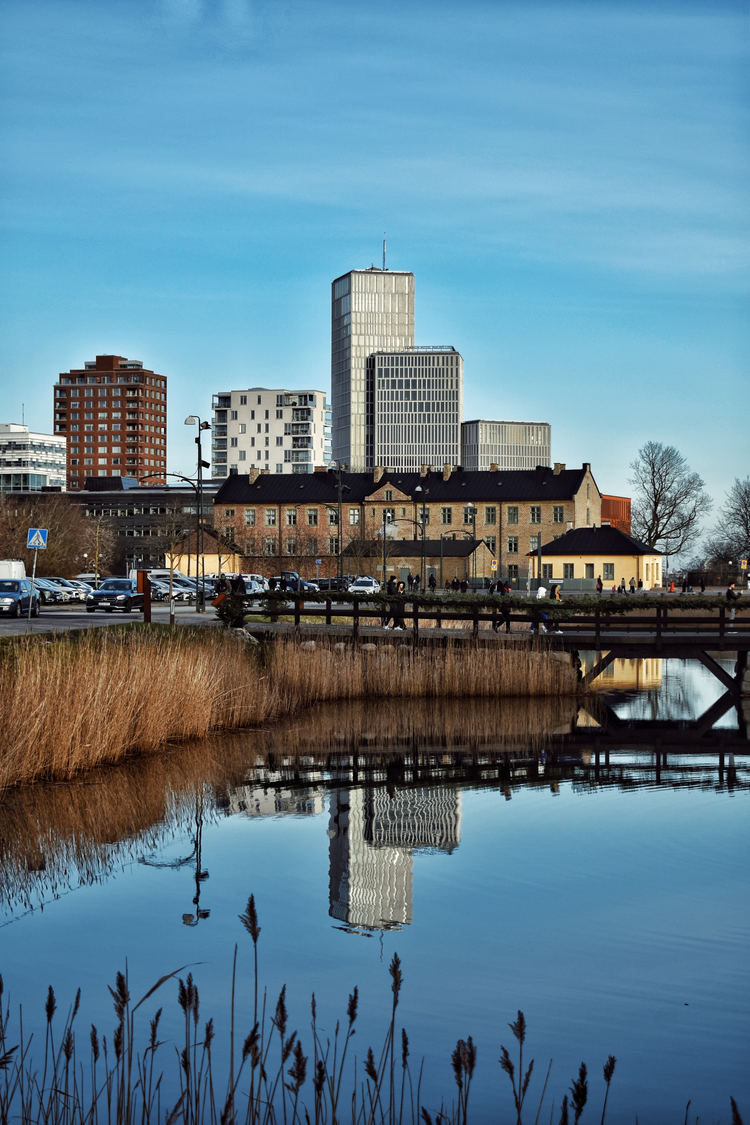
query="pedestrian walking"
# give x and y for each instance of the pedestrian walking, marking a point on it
(398, 607)
(684, 585)
(599, 585)
(703, 584)
(732, 596)
(632, 585)
(623, 587)
(640, 585)
(464, 586)
(432, 583)
(455, 585)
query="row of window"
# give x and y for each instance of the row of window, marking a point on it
(469, 513)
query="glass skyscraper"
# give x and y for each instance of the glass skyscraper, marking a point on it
(371, 310)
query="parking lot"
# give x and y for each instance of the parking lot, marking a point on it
(60, 618)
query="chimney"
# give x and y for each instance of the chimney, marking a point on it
(493, 467)
(253, 474)
(446, 471)
(423, 470)
(321, 468)
(377, 473)
(559, 468)
(265, 472)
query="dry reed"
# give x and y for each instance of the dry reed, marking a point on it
(76, 705)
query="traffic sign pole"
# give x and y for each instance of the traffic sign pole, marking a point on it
(36, 541)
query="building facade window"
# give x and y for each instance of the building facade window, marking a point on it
(424, 515)
(291, 517)
(558, 513)
(547, 570)
(589, 568)
(535, 513)
(534, 542)
(388, 495)
(512, 544)
(512, 515)
(354, 517)
(242, 428)
(446, 515)
(242, 455)
(232, 415)
(243, 400)
(513, 571)
(269, 546)
(249, 517)
(491, 542)
(291, 546)
(333, 518)
(608, 572)
(569, 570)
(333, 546)
(270, 517)
(312, 517)
(490, 515)
(233, 443)
(279, 440)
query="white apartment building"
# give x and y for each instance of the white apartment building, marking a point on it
(371, 310)
(279, 430)
(29, 461)
(418, 407)
(508, 445)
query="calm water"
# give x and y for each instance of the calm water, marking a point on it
(612, 909)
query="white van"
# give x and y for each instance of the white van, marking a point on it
(12, 568)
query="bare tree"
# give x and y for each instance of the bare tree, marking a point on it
(730, 538)
(70, 533)
(669, 500)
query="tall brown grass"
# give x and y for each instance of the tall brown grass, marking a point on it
(77, 704)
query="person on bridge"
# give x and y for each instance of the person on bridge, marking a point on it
(599, 585)
(732, 595)
(632, 585)
(432, 583)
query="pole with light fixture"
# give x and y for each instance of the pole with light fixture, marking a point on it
(200, 598)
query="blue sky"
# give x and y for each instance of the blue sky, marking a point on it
(568, 182)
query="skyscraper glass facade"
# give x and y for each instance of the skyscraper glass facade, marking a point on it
(418, 407)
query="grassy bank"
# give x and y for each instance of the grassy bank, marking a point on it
(75, 703)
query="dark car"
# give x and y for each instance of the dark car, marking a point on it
(15, 594)
(333, 583)
(115, 593)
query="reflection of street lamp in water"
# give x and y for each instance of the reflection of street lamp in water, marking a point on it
(195, 856)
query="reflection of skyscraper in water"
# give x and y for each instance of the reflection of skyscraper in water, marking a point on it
(372, 837)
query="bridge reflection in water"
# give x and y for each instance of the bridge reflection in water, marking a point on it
(389, 778)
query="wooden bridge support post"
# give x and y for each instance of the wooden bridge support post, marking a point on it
(355, 620)
(415, 623)
(328, 611)
(475, 620)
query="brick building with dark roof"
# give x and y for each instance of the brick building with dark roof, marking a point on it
(275, 517)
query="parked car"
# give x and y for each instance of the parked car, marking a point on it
(50, 593)
(258, 579)
(295, 582)
(77, 593)
(115, 593)
(365, 585)
(333, 583)
(15, 594)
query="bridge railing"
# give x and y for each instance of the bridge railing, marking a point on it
(502, 614)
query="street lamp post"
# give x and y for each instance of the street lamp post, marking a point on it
(192, 420)
(473, 509)
(338, 472)
(423, 517)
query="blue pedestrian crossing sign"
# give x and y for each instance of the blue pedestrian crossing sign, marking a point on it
(36, 539)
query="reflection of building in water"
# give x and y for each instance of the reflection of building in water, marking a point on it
(373, 833)
(625, 675)
(256, 800)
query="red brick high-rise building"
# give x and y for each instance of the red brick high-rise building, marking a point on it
(113, 414)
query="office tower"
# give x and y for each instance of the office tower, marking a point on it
(371, 310)
(30, 462)
(418, 407)
(508, 445)
(278, 430)
(373, 833)
(113, 413)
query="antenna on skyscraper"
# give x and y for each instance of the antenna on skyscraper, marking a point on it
(383, 249)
